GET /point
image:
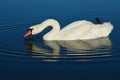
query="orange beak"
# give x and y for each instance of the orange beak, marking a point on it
(29, 32)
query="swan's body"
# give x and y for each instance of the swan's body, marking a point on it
(75, 31)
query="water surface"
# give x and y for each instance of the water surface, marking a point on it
(34, 58)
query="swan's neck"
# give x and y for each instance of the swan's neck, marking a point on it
(55, 29)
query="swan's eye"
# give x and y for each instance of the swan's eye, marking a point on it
(30, 29)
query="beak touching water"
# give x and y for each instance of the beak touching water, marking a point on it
(29, 32)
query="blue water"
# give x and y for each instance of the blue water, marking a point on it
(36, 59)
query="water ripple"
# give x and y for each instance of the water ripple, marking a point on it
(12, 43)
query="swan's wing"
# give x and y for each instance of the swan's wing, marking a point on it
(75, 24)
(75, 30)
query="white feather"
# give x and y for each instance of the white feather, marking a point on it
(75, 31)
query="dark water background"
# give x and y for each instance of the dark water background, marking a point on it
(35, 59)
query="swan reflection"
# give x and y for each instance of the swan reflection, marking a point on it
(85, 49)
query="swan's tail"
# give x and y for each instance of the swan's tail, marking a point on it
(107, 29)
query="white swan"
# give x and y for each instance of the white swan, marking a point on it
(75, 31)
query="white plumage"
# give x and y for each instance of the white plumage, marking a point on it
(75, 31)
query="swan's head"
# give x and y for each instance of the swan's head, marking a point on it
(33, 30)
